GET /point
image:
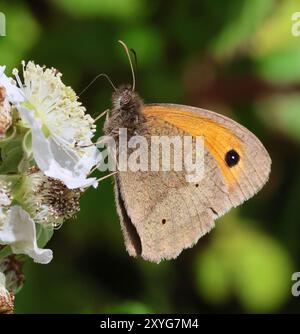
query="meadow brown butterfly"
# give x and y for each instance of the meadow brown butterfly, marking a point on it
(161, 213)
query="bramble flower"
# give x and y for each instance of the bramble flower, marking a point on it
(14, 93)
(46, 160)
(49, 200)
(61, 130)
(19, 232)
(17, 229)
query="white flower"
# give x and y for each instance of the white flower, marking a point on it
(60, 161)
(6, 298)
(5, 199)
(61, 131)
(18, 230)
(14, 94)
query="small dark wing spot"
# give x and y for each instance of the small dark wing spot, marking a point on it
(232, 158)
(214, 211)
(196, 185)
(163, 221)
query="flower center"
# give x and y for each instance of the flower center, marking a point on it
(41, 116)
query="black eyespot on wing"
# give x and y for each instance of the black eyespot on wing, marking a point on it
(232, 158)
(163, 221)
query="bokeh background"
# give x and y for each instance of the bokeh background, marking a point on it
(236, 57)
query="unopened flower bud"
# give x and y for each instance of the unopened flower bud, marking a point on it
(51, 202)
(6, 297)
(13, 270)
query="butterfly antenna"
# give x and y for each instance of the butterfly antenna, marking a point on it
(130, 62)
(135, 59)
(96, 78)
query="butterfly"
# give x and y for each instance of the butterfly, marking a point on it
(161, 213)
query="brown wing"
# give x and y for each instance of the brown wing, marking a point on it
(161, 213)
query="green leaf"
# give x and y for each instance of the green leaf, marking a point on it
(274, 48)
(13, 180)
(22, 32)
(244, 22)
(4, 252)
(212, 277)
(143, 40)
(43, 235)
(116, 8)
(275, 32)
(244, 262)
(26, 161)
(11, 155)
(18, 187)
(262, 274)
(27, 143)
(282, 112)
(281, 66)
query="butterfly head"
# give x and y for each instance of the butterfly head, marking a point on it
(125, 99)
(126, 111)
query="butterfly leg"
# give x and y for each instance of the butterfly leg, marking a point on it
(98, 142)
(106, 176)
(105, 112)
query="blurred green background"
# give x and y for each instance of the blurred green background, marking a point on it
(236, 57)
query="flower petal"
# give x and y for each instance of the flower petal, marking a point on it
(14, 93)
(19, 232)
(57, 160)
(4, 199)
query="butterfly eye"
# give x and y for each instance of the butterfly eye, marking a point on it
(232, 158)
(126, 97)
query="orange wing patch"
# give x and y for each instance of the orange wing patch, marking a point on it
(217, 138)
